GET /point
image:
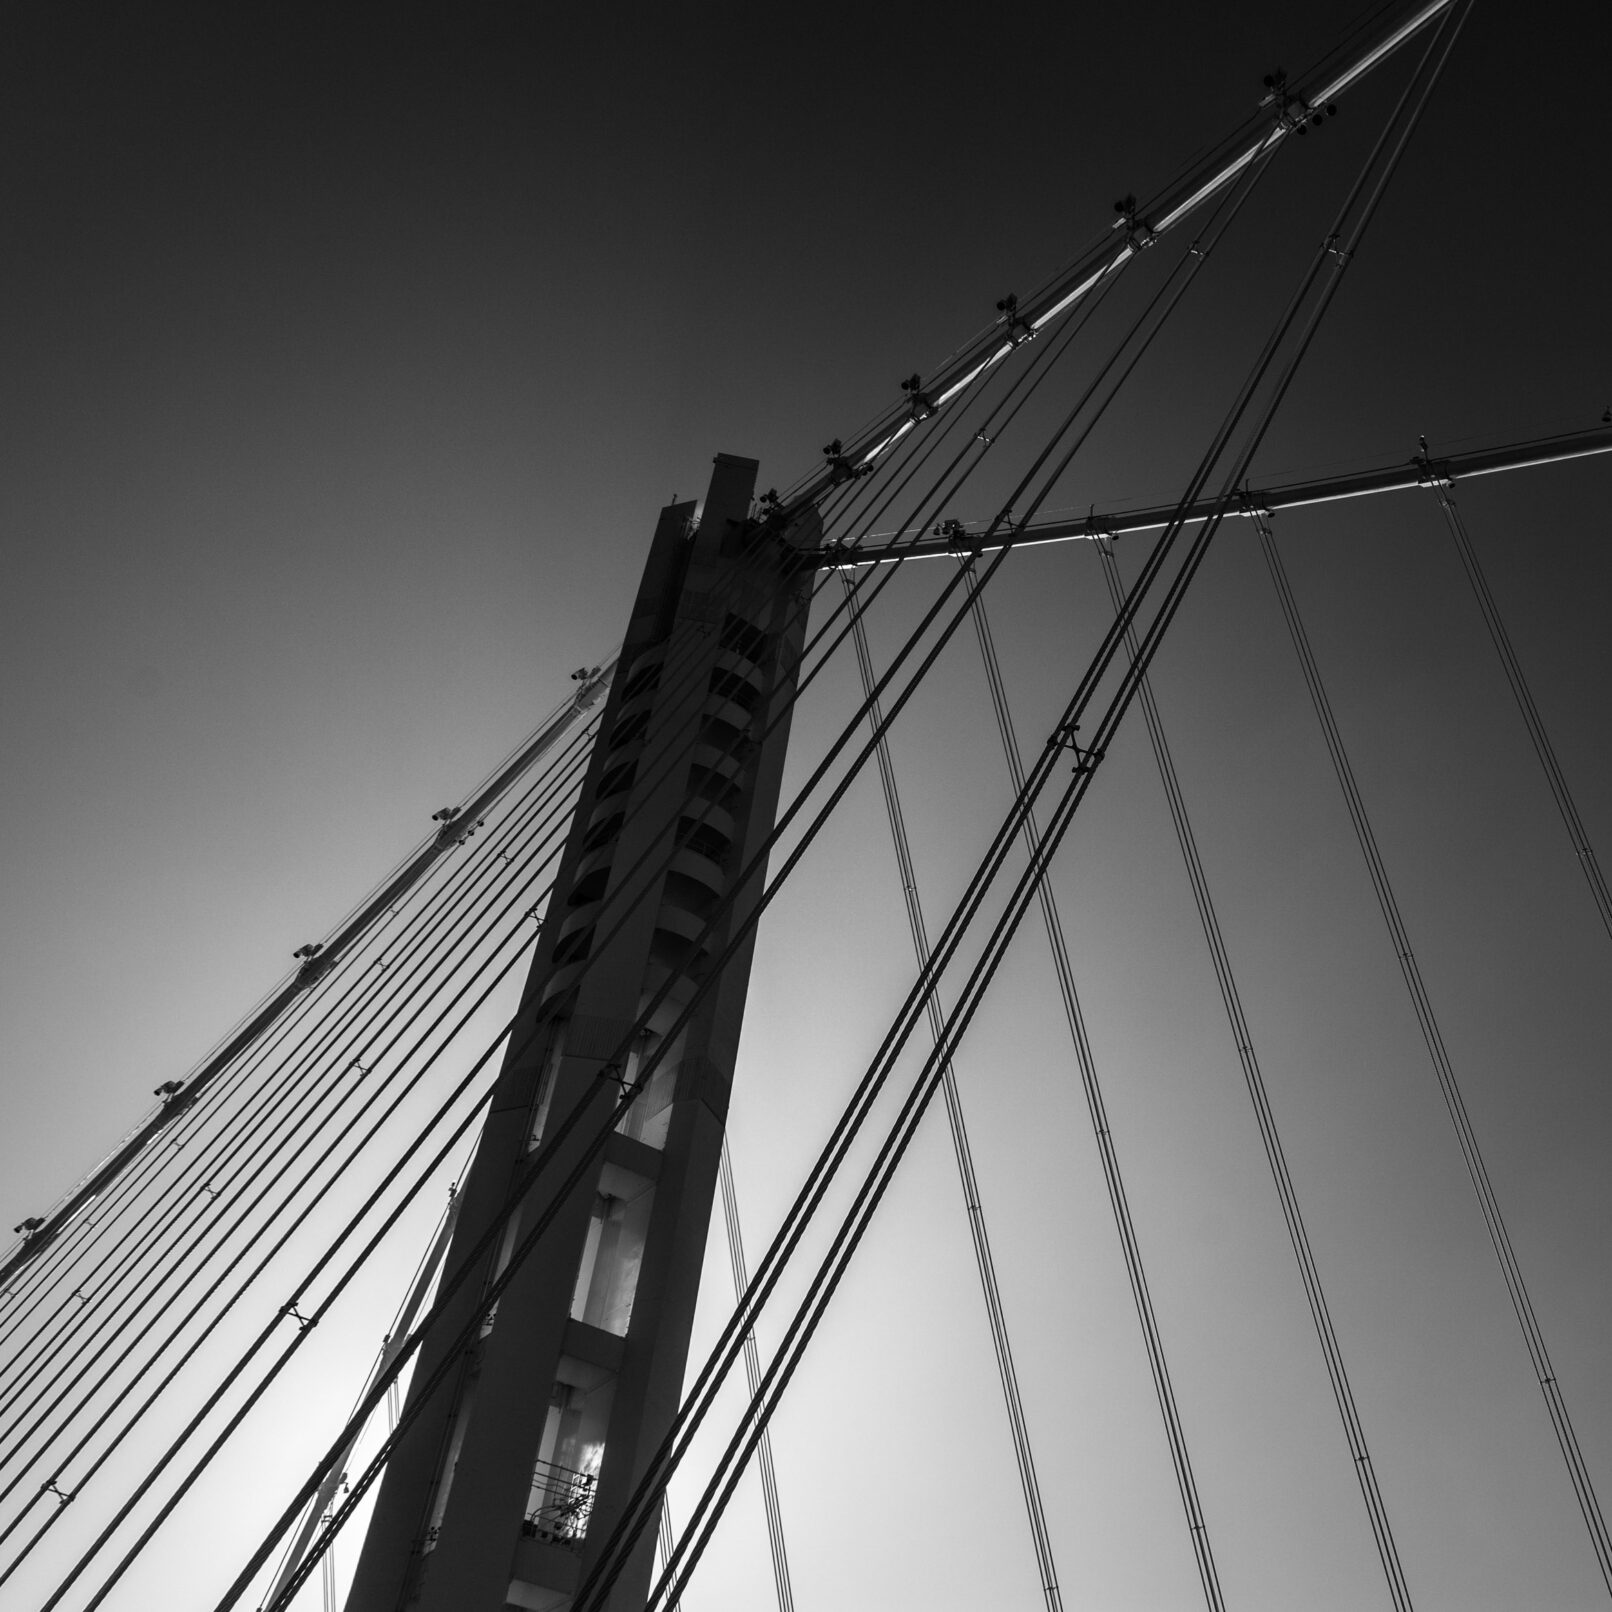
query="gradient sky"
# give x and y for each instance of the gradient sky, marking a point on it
(346, 369)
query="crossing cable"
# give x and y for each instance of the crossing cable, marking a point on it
(352, 1226)
(334, 1178)
(376, 1096)
(286, 1096)
(1554, 776)
(646, 1066)
(1119, 1202)
(995, 1314)
(93, 1221)
(353, 929)
(108, 1343)
(1265, 1117)
(1353, 219)
(1466, 1136)
(315, 1002)
(752, 1369)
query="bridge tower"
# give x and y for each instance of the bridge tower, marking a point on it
(526, 1453)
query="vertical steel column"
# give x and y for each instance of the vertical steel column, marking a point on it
(533, 1442)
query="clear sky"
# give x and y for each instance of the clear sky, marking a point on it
(345, 370)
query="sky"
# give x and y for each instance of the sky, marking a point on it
(346, 369)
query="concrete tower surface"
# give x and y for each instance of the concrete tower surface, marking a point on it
(525, 1454)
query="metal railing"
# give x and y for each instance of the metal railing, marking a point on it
(561, 1503)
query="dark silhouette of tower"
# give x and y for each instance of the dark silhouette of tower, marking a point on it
(525, 1454)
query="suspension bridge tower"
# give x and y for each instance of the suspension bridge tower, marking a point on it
(528, 1447)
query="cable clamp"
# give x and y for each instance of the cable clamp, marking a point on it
(533, 912)
(959, 540)
(840, 469)
(1139, 234)
(1293, 111)
(316, 963)
(1019, 329)
(1251, 505)
(612, 1073)
(919, 403)
(303, 1323)
(1430, 472)
(363, 1069)
(51, 1486)
(210, 1190)
(833, 556)
(1064, 739)
(79, 1294)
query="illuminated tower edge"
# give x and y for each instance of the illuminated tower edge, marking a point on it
(524, 1457)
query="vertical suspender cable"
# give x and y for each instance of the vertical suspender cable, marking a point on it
(1298, 1235)
(1040, 1537)
(752, 1371)
(1554, 775)
(1130, 1245)
(1539, 1357)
